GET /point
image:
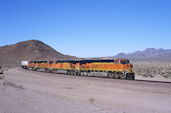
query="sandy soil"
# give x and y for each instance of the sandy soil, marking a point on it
(23, 91)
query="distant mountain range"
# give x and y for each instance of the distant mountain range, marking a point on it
(37, 50)
(150, 54)
(30, 50)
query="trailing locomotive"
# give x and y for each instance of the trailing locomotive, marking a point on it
(115, 68)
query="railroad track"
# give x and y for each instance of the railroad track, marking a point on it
(102, 78)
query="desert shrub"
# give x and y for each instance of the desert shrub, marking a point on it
(8, 83)
(152, 68)
(91, 100)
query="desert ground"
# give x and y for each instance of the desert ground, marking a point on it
(24, 91)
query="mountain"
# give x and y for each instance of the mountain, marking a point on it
(30, 50)
(149, 54)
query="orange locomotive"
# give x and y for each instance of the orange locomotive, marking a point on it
(115, 68)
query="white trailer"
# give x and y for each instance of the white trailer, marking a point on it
(24, 64)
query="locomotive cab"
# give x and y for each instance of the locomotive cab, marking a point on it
(124, 61)
(127, 68)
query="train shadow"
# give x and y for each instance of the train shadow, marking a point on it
(153, 81)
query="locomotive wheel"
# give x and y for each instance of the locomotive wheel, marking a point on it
(78, 73)
(118, 75)
(81, 73)
(85, 74)
(35, 69)
(110, 75)
(88, 74)
(74, 73)
(123, 76)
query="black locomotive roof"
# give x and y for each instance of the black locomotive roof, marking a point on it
(91, 61)
(85, 61)
(79, 61)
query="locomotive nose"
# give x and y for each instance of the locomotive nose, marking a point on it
(130, 68)
(130, 65)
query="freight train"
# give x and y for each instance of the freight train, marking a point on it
(114, 68)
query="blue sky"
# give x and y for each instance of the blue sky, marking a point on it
(88, 28)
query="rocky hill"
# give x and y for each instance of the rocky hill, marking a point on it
(29, 50)
(150, 54)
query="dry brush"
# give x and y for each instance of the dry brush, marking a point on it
(152, 69)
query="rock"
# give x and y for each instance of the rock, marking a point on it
(97, 109)
(1, 76)
(1, 71)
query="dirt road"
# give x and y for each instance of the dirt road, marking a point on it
(23, 91)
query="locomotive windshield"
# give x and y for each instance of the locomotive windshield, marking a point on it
(127, 61)
(124, 61)
(50, 62)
